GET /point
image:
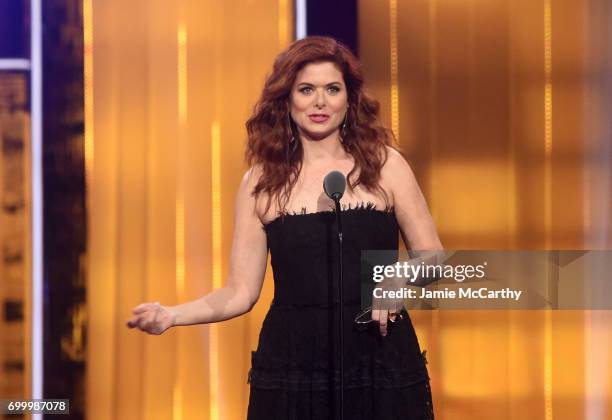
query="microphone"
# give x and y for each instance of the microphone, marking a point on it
(334, 185)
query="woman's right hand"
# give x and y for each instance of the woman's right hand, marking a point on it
(152, 318)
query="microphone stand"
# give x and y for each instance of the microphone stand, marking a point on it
(336, 198)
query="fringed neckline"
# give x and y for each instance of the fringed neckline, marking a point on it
(360, 206)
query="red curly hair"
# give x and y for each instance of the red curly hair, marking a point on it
(270, 127)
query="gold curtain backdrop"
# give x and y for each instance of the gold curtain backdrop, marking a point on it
(169, 86)
(491, 102)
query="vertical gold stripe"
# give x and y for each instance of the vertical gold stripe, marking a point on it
(216, 263)
(589, 364)
(180, 199)
(548, 408)
(394, 68)
(433, 88)
(216, 201)
(180, 245)
(586, 206)
(512, 202)
(283, 23)
(89, 99)
(547, 122)
(180, 291)
(180, 206)
(216, 232)
(182, 72)
(177, 402)
(511, 162)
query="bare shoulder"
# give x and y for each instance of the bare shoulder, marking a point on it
(252, 175)
(247, 187)
(395, 164)
(396, 171)
(411, 211)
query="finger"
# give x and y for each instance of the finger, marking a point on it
(382, 322)
(134, 321)
(375, 314)
(140, 308)
(131, 322)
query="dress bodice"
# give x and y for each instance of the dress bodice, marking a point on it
(304, 252)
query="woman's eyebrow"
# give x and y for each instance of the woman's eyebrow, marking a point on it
(310, 84)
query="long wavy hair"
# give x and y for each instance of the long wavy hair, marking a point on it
(270, 129)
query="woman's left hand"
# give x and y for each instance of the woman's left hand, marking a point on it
(386, 309)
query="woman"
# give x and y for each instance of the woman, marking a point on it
(314, 117)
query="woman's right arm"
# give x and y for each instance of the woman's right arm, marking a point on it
(248, 259)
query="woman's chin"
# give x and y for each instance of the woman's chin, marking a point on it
(318, 135)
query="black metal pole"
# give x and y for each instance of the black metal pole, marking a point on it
(341, 291)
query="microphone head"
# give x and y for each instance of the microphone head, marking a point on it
(334, 184)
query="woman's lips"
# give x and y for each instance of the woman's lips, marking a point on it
(318, 118)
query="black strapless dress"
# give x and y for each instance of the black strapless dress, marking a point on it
(295, 370)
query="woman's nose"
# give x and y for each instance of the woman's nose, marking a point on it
(320, 99)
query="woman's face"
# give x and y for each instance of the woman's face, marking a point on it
(319, 100)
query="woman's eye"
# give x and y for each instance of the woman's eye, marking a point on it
(308, 90)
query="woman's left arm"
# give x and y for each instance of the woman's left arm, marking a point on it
(413, 216)
(415, 221)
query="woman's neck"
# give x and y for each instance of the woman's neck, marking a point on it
(323, 150)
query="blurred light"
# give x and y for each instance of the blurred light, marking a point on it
(597, 361)
(14, 64)
(283, 23)
(216, 263)
(548, 407)
(180, 199)
(468, 186)
(181, 39)
(177, 403)
(301, 30)
(394, 65)
(37, 201)
(433, 89)
(547, 122)
(182, 72)
(88, 93)
(216, 202)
